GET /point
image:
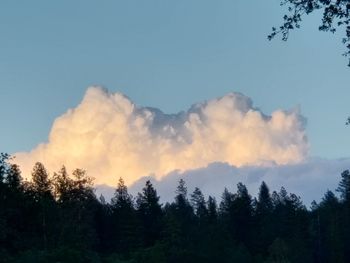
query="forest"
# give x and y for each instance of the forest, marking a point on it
(58, 218)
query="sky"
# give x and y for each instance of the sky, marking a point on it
(170, 55)
(108, 135)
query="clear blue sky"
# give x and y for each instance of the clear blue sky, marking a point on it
(166, 54)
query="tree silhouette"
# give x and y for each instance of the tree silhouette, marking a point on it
(59, 219)
(199, 204)
(212, 209)
(264, 220)
(14, 178)
(41, 184)
(344, 186)
(41, 189)
(4, 158)
(124, 219)
(150, 213)
(335, 14)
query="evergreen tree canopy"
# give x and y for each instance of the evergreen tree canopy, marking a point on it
(198, 203)
(14, 178)
(150, 212)
(121, 199)
(344, 186)
(212, 209)
(59, 219)
(4, 157)
(181, 192)
(148, 200)
(264, 204)
(40, 181)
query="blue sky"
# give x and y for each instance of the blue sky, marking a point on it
(166, 54)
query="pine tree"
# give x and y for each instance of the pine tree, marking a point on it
(264, 220)
(41, 184)
(344, 186)
(226, 203)
(264, 204)
(121, 199)
(183, 209)
(181, 192)
(212, 209)
(83, 190)
(179, 224)
(41, 188)
(124, 219)
(242, 212)
(12, 212)
(14, 178)
(327, 223)
(182, 205)
(78, 205)
(344, 190)
(4, 158)
(63, 186)
(150, 213)
(198, 203)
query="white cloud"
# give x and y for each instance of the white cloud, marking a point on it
(111, 137)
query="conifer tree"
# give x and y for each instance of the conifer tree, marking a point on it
(14, 178)
(212, 209)
(41, 188)
(226, 203)
(4, 157)
(62, 186)
(199, 204)
(264, 220)
(344, 186)
(121, 199)
(181, 193)
(41, 183)
(264, 204)
(124, 219)
(150, 213)
(242, 212)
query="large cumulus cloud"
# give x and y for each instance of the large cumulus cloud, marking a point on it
(111, 137)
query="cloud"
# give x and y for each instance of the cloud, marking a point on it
(309, 180)
(111, 137)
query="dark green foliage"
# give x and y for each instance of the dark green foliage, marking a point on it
(198, 204)
(238, 214)
(344, 186)
(59, 219)
(278, 252)
(150, 213)
(327, 229)
(264, 219)
(4, 158)
(122, 199)
(14, 178)
(212, 209)
(124, 221)
(40, 185)
(264, 205)
(335, 14)
(77, 206)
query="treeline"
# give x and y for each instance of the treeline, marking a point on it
(59, 219)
